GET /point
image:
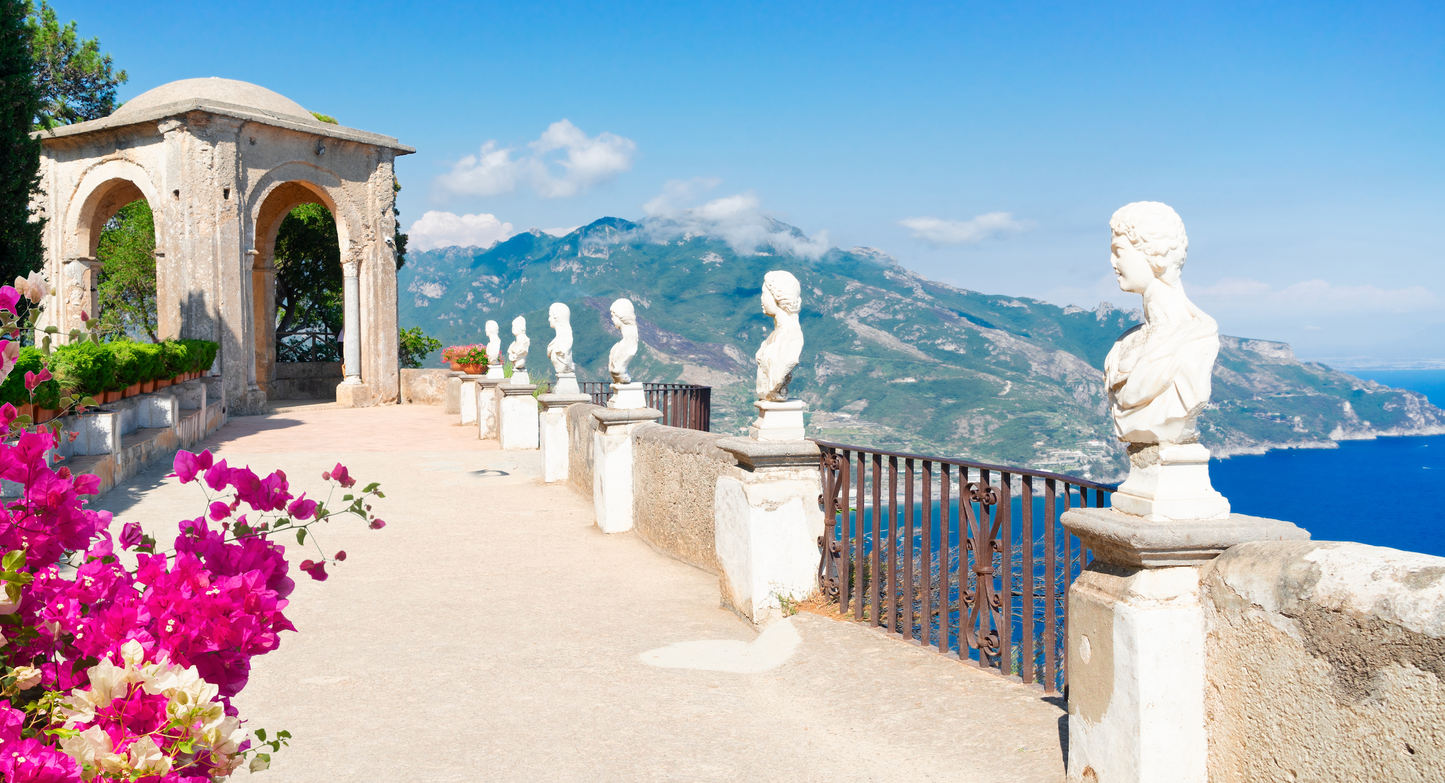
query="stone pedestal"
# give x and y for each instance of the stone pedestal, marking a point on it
(468, 398)
(452, 406)
(556, 444)
(488, 405)
(1136, 643)
(567, 384)
(496, 371)
(767, 523)
(353, 395)
(612, 465)
(627, 396)
(517, 416)
(778, 421)
(519, 377)
(1170, 481)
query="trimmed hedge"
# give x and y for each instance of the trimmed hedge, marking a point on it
(91, 368)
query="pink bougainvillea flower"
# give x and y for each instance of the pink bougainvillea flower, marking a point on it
(219, 510)
(377, 524)
(9, 354)
(316, 570)
(7, 415)
(35, 379)
(341, 555)
(301, 508)
(340, 475)
(130, 535)
(8, 297)
(187, 465)
(218, 476)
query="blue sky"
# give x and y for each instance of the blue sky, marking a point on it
(982, 145)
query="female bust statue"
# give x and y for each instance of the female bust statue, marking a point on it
(782, 298)
(560, 349)
(517, 351)
(1158, 373)
(624, 317)
(494, 345)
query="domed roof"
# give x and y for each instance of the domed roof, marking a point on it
(236, 93)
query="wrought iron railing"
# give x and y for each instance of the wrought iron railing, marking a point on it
(308, 347)
(682, 404)
(955, 554)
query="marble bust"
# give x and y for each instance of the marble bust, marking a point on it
(560, 349)
(624, 317)
(778, 356)
(1158, 373)
(517, 351)
(494, 344)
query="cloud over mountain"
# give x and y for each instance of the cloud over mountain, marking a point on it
(938, 231)
(737, 220)
(444, 229)
(562, 162)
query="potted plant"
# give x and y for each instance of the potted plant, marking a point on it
(450, 355)
(473, 359)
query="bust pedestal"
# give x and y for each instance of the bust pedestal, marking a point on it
(517, 426)
(556, 443)
(612, 464)
(778, 420)
(766, 525)
(567, 384)
(1170, 481)
(496, 371)
(1136, 642)
(488, 406)
(627, 396)
(519, 377)
(468, 398)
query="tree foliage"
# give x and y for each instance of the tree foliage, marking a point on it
(21, 244)
(414, 346)
(127, 288)
(308, 273)
(75, 79)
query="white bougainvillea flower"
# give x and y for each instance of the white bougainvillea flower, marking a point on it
(146, 758)
(26, 677)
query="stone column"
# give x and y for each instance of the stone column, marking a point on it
(263, 306)
(467, 399)
(1136, 643)
(556, 443)
(612, 465)
(517, 416)
(77, 292)
(452, 403)
(766, 524)
(351, 392)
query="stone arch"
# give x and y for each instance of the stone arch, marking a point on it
(298, 182)
(104, 189)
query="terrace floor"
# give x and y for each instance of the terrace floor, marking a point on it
(492, 632)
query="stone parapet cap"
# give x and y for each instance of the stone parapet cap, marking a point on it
(516, 389)
(753, 454)
(612, 417)
(1132, 541)
(562, 400)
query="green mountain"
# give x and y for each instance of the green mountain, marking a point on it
(892, 359)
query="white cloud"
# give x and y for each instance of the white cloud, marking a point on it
(444, 229)
(560, 232)
(958, 232)
(1313, 297)
(738, 220)
(562, 162)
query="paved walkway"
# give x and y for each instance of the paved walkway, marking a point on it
(491, 632)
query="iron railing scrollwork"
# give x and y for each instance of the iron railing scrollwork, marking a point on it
(953, 554)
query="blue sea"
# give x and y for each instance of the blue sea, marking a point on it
(1386, 492)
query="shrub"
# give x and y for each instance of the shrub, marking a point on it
(130, 364)
(85, 368)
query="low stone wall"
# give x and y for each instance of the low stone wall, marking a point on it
(305, 381)
(1325, 661)
(580, 426)
(424, 387)
(675, 473)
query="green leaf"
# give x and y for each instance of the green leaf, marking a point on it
(13, 559)
(301, 536)
(12, 591)
(261, 734)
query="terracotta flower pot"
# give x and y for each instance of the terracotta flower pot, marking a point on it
(146, 387)
(474, 369)
(110, 396)
(131, 390)
(28, 409)
(162, 383)
(456, 366)
(43, 415)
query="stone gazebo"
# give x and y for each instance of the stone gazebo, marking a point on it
(222, 163)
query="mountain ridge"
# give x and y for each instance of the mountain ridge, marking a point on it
(891, 358)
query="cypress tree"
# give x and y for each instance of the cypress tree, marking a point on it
(21, 243)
